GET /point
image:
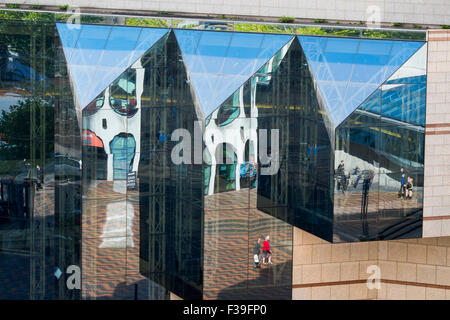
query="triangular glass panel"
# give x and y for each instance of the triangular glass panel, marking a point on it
(404, 93)
(413, 70)
(347, 71)
(96, 55)
(401, 52)
(218, 63)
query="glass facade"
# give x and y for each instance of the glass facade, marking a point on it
(153, 159)
(379, 160)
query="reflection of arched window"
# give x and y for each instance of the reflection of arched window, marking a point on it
(226, 158)
(123, 94)
(123, 148)
(208, 118)
(226, 115)
(95, 105)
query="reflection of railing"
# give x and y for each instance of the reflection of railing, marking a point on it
(409, 223)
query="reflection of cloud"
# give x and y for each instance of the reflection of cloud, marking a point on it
(117, 230)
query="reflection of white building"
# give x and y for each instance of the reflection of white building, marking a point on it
(115, 118)
(217, 137)
(221, 134)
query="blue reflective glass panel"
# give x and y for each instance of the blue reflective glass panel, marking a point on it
(404, 102)
(271, 44)
(218, 63)
(412, 71)
(81, 77)
(211, 52)
(354, 67)
(371, 60)
(372, 103)
(147, 38)
(243, 50)
(68, 34)
(401, 52)
(119, 48)
(102, 53)
(339, 57)
(90, 45)
(204, 85)
(188, 41)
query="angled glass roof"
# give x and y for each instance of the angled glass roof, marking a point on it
(218, 63)
(348, 71)
(404, 93)
(412, 71)
(96, 55)
(402, 96)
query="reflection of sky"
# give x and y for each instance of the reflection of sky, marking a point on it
(97, 55)
(8, 99)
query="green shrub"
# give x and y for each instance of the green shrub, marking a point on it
(397, 24)
(12, 5)
(146, 22)
(416, 26)
(445, 26)
(286, 19)
(63, 7)
(35, 6)
(320, 21)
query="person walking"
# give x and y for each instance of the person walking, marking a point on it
(257, 253)
(267, 251)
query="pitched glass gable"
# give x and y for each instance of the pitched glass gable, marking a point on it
(347, 71)
(402, 96)
(96, 55)
(412, 71)
(404, 93)
(218, 63)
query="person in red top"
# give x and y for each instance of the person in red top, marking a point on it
(267, 251)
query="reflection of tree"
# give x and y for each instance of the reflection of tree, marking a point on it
(16, 126)
(28, 45)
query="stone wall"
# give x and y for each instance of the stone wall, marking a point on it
(437, 137)
(409, 269)
(403, 11)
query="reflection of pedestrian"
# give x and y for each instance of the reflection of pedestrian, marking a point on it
(39, 179)
(267, 251)
(340, 177)
(358, 177)
(402, 190)
(368, 176)
(257, 253)
(409, 188)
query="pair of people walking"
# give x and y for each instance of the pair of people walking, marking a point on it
(263, 252)
(406, 186)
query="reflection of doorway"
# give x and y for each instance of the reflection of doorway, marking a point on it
(226, 158)
(123, 148)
